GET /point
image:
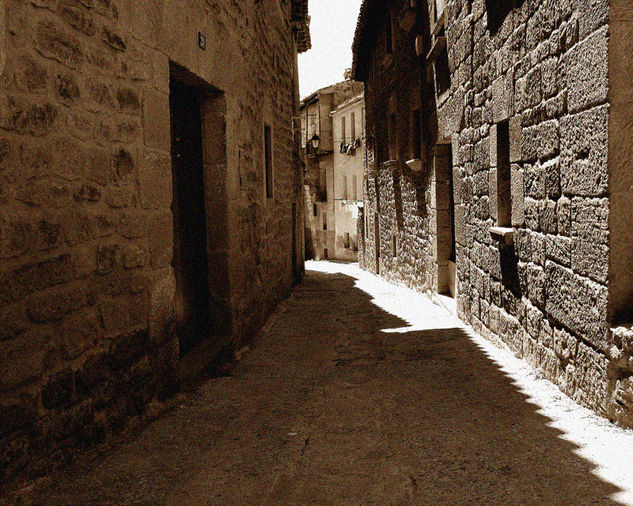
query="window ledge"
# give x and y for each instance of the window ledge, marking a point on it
(503, 235)
(438, 47)
(391, 164)
(415, 165)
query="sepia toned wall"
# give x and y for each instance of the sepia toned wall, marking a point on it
(87, 335)
(556, 73)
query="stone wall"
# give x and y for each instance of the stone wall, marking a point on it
(86, 232)
(538, 92)
(543, 69)
(398, 201)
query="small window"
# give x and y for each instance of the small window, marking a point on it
(314, 209)
(325, 254)
(504, 200)
(389, 34)
(442, 72)
(268, 161)
(352, 126)
(343, 130)
(324, 221)
(347, 243)
(497, 11)
(416, 134)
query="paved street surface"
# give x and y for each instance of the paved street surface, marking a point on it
(341, 401)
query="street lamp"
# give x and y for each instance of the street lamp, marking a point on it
(315, 141)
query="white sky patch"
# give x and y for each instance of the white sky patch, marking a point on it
(332, 27)
(608, 447)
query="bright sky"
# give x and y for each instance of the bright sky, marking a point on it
(332, 27)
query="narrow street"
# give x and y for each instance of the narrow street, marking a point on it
(340, 401)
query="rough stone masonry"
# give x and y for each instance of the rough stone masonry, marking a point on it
(531, 100)
(87, 284)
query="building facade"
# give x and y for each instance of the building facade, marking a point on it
(150, 203)
(348, 121)
(321, 187)
(498, 170)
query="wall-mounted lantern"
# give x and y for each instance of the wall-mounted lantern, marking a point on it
(315, 141)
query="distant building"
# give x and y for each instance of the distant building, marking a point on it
(321, 186)
(349, 167)
(499, 172)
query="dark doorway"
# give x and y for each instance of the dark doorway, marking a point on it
(191, 266)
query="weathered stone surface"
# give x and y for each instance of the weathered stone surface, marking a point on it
(586, 72)
(577, 303)
(583, 161)
(155, 180)
(557, 72)
(156, 106)
(52, 41)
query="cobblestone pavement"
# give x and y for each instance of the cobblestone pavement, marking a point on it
(338, 403)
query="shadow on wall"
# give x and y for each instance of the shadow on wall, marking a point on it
(392, 415)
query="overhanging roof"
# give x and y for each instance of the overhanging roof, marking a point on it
(369, 23)
(301, 25)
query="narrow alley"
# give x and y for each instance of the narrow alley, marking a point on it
(342, 399)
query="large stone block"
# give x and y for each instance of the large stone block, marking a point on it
(502, 98)
(584, 153)
(53, 41)
(156, 120)
(590, 220)
(577, 303)
(155, 180)
(55, 303)
(587, 73)
(27, 279)
(26, 117)
(517, 196)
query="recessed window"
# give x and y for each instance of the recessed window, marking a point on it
(442, 72)
(497, 11)
(353, 126)
(324, 221)
(343, 130)
(504, 200)
(347, 243)
(314, 209)
(416, 134)
(268, 161)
